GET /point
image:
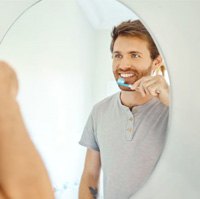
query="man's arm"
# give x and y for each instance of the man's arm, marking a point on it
(22, 173)
(90, 178)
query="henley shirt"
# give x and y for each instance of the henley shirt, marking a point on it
(130, 142)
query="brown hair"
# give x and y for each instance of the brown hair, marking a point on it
(135, 29)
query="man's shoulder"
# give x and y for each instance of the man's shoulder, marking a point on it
(160, 105)
(106, 102)
(157, 107)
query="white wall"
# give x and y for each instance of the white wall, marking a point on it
(104, 79)
(53, 54)
(10, 11)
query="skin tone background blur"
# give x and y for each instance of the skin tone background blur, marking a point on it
(173, 25)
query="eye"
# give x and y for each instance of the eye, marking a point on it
(117, 56)
(135, 55)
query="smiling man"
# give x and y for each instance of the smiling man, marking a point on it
(126, 132)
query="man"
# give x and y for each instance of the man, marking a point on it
(22, 173)
(125, 133)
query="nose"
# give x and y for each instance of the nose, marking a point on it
(124, 67)
(125, 64)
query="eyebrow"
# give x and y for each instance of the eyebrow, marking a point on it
(130, 52)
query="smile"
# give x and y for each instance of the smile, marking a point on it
(124, 75)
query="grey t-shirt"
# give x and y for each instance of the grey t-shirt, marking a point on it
(129, 141)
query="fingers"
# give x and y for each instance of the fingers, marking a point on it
(153, 90)
(148, 86)
(8, 80)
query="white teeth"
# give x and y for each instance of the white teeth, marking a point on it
(126, 75)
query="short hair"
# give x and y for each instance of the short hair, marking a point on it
(134, 29)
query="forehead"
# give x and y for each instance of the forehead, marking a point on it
(130, 43)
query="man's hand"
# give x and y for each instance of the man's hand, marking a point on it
(8, 81)
(22, 172)
(153, 85)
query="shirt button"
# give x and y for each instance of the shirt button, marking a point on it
(135, 110)
(129, 129)
(130, 119)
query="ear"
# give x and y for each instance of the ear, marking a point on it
(157, 62)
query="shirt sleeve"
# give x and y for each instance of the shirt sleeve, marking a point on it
(88, 138)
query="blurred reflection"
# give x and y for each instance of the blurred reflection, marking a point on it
(125, 132)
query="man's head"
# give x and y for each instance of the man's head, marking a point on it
(134, 52)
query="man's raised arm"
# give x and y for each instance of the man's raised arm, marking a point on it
(22, 172)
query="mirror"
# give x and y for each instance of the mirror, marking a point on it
(61, 53)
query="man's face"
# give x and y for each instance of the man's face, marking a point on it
(131, 59)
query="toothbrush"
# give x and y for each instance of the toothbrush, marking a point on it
(121, 82)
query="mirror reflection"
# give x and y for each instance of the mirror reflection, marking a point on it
(90, 73)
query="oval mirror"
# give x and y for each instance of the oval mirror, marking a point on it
(69, 95)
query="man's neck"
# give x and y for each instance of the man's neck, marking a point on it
(131, 99)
